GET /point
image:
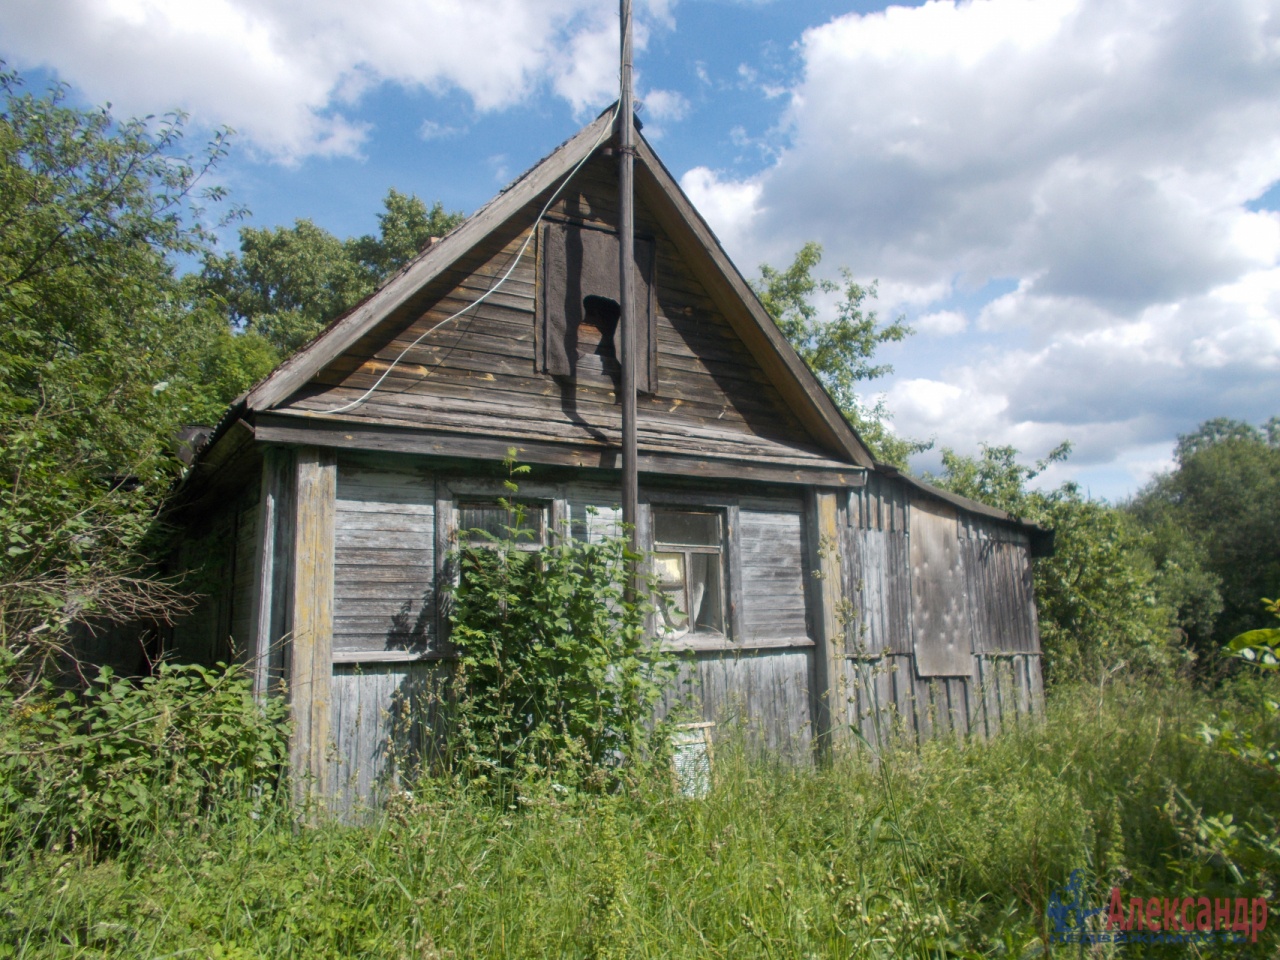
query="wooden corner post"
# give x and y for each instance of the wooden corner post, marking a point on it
(273, 573)
(311, 651)
(825, 599)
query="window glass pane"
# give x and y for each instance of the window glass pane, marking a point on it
(695, 529)
(669, 568)
(495, 520)
(705, 598)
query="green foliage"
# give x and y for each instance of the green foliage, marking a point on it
(1260, 647)
(777, 862)
(101, 357)
(1246, 728)
(557, 679)
(838, 350)
(1255, 739)
(122, 760)
(1215, 527)
(105, 351)
(286, 284)
(1097, 595)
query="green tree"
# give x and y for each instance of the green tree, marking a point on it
(287, 283)
(1215, 524)
(1097, 595)
(838, 350)
(100, 356)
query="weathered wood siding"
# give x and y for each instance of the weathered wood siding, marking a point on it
(384, 559)
(1006, 636)
(940, 619)
(478, 374)
(394, 520)
(771, 548)
(761, 695)
(878, 564)
(224, 553)
(884, 693)
(385, 719)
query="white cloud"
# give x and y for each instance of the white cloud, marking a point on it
(666, 105)
(286, 74)
(730, 207)
(942, 323)
(1099, 153)
(431, 130)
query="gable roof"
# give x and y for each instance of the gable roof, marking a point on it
(799, 388)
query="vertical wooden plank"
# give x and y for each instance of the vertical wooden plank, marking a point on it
(1023, 671)
(732, 521)
(346, 690)
(311, 662)
(958, 690)
(442, 588)
(824, 595)
(922, 703)
(991, 689)
(276, 482)
(1037, 685)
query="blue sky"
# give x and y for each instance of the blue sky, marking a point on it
(1073, 201)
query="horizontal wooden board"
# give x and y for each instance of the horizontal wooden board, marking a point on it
(384, 557)
(771, 549)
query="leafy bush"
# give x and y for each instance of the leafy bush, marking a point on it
(556, 676)
(1247, 728)
(122, 759)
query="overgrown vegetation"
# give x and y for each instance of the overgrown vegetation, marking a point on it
(556, 682)
(86, 773)
(106, 349)
(778, 862)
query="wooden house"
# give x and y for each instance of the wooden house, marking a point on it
(822, 589)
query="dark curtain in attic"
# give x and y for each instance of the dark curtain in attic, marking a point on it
(578, 263)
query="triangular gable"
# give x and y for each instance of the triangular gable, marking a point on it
(800, 392)
(401, 289)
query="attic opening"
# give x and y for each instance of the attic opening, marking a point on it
(579, 307)
(597, 350)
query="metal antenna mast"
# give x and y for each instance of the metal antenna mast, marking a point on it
(626, 284)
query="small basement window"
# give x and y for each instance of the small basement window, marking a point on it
(688, 556)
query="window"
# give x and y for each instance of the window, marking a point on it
(476, 518)
(688, 556)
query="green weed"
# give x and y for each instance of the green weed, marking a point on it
(778, 861)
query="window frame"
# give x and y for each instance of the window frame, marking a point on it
(545, 510)
(729, 551)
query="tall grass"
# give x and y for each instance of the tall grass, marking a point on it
(946, 851)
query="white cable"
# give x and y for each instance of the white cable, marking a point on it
(494, 289)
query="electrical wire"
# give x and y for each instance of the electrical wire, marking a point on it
(494, 289)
